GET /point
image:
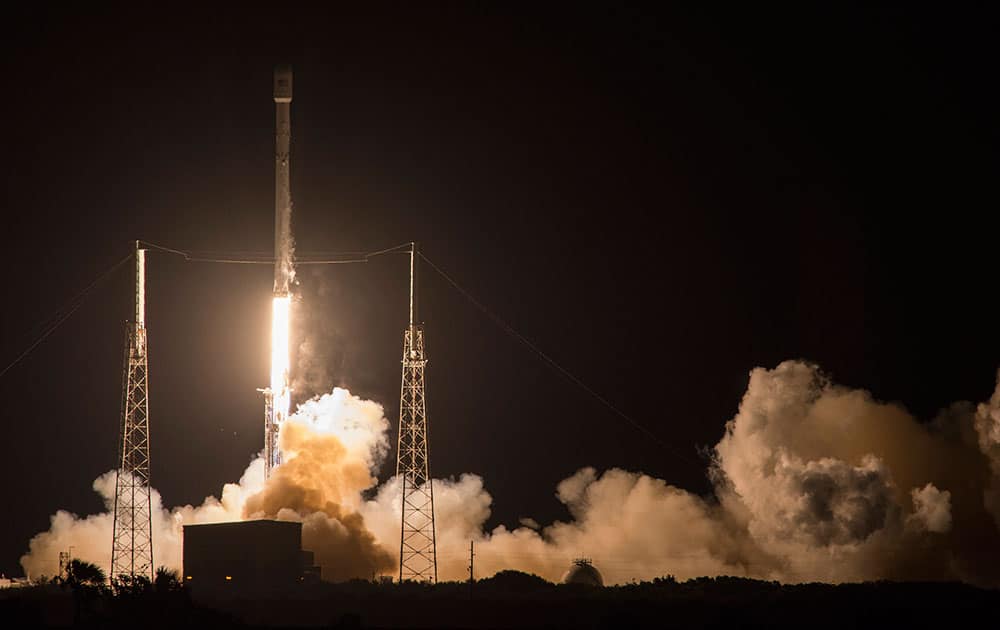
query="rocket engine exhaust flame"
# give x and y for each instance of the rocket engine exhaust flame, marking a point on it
(280, 320)
(278, 396)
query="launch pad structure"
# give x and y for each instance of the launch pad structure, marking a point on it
(132, 541)
(417, 545)
(417, 553)
(132, 553)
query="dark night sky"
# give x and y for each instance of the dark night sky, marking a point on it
(660, 202)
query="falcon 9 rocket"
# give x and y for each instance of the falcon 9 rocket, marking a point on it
(278, 395)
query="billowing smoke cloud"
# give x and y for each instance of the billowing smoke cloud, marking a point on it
(632, 525)
(90, 537)
(332, 446)
(931, 509)
(988, 431)
(812, 482)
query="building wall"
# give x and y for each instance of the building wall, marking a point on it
(246, 555)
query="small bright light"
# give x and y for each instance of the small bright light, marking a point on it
(228, 577)
(189, 577)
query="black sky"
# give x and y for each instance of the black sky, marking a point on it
(660, 201)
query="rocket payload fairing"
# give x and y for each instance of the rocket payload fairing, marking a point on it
(283, 272)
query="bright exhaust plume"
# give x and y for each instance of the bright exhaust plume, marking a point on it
(280, 325)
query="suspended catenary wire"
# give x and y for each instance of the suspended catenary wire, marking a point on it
(265, 259)
(50, 324)
(359, 257)
(61, 315)
(503, 325)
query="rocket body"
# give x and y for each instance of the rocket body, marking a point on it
(283, 271)
(277, 397)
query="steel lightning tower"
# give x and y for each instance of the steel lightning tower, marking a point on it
(277, 397)
(417, 550)
(132, 547)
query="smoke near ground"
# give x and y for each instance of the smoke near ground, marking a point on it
(812, 482)
(332, 447)
(987, 424)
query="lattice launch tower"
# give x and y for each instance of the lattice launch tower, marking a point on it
(417, 550)
(132, 548)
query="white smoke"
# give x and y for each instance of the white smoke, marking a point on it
(988, 431)
(931, 509)
(812, 482)
(322, 493)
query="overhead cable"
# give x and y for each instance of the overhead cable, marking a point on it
(63, 313)
(503, 325)
(234, 258)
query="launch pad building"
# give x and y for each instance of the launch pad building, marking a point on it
(245, 556)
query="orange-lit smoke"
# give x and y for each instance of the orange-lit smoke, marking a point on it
(812, 482)
(332, 447)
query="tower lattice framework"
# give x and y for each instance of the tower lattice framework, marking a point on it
(132, 549)
(417, 549)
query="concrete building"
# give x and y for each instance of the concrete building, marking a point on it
(245, 556)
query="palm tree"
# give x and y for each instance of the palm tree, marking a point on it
(166, 580)
(80, 573)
